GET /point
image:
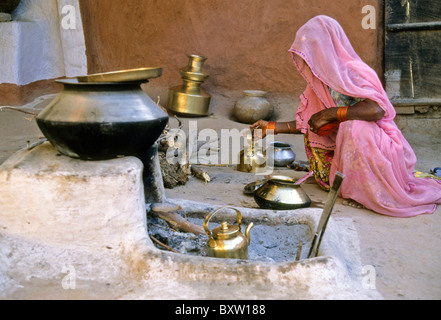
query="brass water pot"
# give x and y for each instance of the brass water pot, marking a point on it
(281, 193)
(227, 241)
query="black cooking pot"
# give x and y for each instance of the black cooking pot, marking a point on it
(8, 6)
(100, 121)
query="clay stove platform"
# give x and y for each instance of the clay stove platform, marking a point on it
(75, 229)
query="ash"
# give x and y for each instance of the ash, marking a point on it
(270, 243)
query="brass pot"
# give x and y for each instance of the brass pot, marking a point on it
(281, 193)
(251, 160)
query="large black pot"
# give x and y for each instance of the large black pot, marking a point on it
(8, 6)
(100, 121)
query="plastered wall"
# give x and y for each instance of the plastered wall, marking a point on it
(35, 48)
(246, 41)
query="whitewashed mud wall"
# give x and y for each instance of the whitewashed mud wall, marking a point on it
(36, 45)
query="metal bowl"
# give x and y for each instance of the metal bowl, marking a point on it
(281, 193)
(280, 154)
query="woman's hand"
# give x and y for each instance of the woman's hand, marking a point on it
(258, 129)
(322, 118)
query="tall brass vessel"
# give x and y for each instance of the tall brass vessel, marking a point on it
(190, 99)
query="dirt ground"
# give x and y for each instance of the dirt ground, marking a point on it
(406, 253)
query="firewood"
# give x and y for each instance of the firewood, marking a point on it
(200, 174)
(162, 244)
(168, 213)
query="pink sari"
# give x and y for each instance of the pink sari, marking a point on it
(376, 159)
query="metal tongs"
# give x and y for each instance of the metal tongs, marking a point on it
(327, 210)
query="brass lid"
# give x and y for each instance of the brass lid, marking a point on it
(225, 231)
(131, 75)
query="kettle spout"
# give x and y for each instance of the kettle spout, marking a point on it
(248, 231)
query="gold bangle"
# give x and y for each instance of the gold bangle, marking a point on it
(289, 128)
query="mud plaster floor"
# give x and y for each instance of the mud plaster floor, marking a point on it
(406, 253)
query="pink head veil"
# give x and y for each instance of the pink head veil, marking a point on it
(375, 157)
(324, 56)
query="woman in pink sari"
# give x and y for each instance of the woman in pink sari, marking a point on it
(348, 124)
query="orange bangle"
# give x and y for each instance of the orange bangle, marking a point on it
(342, 114)
(271, 125)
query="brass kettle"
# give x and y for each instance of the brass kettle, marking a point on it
(227, 241)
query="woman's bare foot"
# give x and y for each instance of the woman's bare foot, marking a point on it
(353, 204)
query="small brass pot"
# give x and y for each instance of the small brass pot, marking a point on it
(281, 193)
(251, 160)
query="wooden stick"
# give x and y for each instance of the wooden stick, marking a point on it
(200, 174)
(16, 109)
(174, 220)
(163, 245)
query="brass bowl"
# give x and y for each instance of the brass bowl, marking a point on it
(281, 193)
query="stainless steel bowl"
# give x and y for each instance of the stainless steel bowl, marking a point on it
(280, 154)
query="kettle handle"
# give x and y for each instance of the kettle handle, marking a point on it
(207, 219)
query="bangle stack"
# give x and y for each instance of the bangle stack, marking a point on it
(342, 114)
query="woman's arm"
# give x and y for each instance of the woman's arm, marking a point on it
(280, 127)
(367, 110)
